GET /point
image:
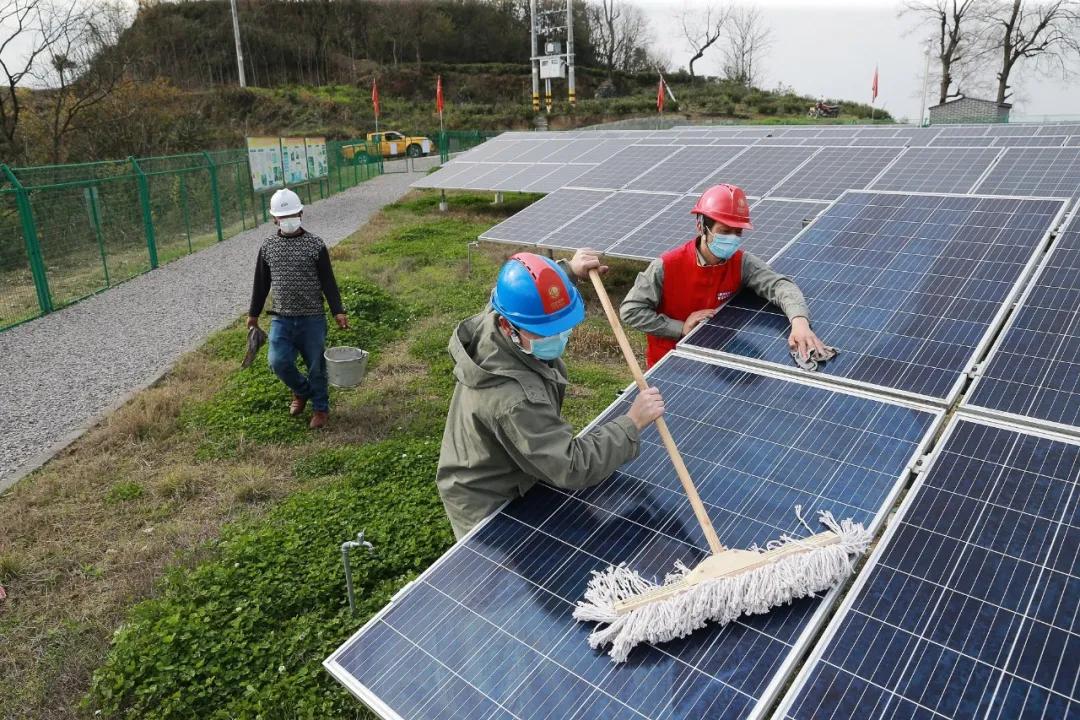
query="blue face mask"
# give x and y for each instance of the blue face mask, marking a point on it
(546, 348)
(724, 246)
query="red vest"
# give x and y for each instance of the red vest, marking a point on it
(689, 287)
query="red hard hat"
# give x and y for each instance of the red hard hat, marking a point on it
(726, 204)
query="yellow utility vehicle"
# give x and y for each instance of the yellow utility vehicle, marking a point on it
(389, 144)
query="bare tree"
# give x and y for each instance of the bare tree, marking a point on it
(1046, 33)
(84, 66)
(620, 34)
(748, 40)
(22, 34)
(958, 28)
(702, 29)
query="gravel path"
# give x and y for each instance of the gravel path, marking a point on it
(67, 370)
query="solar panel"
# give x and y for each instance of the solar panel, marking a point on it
(947, 170)
(489, 149)
(444, 178)
(540, 152)
(968, 606)
(1033, 371)
(524, 175)
(1047, 172)
(1012, 130)
(873, 132)
(802, 132)
(673, 226)
(881, 141)
(1029, 141)
(558, 178)
(834, 170)
(1059, 129)
(962, 131)
(760, 168)
(620, 169)
(602, 151)
(487, 176)
(910, 288)
(783, 140)
(923, 134)
(535, 221)
(686, 168)
(961, 141)
(604, 224)
(1072, 141)
(776, 222)
(488, 630)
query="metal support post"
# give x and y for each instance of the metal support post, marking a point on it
(147, 213)
(535, 62)
(346, 546)
(215, 196)
(570, 53)
(30, 238)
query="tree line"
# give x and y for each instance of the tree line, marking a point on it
(980, 46)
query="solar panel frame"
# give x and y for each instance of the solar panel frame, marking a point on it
(757, 177)
(801, 641)
(443, 178)
(1024, 171)
(961, 141)
(979, 351)
(625, 166)
(599, 226)
(1013, 130)
(879, 142)
(867, 573)
(1072, 141)
(1070, 228)
(962, 131)
(920, 168)
(1030, 141)
(519, 228)
(1059, 129)
(686, 169)
(832, 170)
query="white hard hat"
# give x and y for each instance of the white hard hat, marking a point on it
(284, 203)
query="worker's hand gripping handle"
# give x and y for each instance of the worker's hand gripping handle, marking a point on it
(661, 426)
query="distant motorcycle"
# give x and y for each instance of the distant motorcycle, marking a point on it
(822, 110)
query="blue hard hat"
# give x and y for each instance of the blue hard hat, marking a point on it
(534, 294)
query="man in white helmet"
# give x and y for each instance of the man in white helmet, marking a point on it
(297, 265)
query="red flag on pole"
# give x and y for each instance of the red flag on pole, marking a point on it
(375, 96)
(660, 96)
(438, 94)
(874, 86)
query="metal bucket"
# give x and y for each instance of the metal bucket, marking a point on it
(345, 366)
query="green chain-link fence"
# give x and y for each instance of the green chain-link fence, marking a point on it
(69, 231)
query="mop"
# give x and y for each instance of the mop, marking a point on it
(631, 610)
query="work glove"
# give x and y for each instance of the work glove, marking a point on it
(256, 338)
(814, 358)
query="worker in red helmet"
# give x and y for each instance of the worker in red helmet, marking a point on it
(504, 431)
(685, 286)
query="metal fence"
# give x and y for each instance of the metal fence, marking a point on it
(69, 231)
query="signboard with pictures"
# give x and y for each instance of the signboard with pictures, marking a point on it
(264, 159)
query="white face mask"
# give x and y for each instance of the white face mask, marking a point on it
(289, 225)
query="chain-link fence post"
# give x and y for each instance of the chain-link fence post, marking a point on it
(33, 247)
(214, 195)
(147, 214)
(444, 147)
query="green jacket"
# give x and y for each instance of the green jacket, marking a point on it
(504, 431)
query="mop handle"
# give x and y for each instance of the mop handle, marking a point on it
(661, 426)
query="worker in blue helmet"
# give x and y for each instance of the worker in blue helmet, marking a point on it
(505, 431)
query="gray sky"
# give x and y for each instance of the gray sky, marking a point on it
(829, 47)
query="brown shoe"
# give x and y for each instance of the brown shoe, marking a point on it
(297, 405)
(318, 419)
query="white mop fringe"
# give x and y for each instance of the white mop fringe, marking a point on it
(720, 601)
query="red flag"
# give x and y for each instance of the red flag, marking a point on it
(660, 96)
(438, 94)
(874, 87)
(375, 96)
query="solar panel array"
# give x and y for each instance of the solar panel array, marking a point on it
(908, 286)
(487, 632)
(913, 286)
(1033, 374)
(968, 606)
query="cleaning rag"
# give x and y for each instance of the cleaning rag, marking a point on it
(814, 358)
(256, 338)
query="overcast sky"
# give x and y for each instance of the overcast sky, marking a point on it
(829, 47)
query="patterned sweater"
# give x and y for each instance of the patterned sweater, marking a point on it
(298, 267)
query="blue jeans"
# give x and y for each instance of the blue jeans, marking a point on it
(306, 335)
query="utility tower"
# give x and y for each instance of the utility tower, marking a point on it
(552, 31)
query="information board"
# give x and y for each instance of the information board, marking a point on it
(264, 159)
(317, 166)
(294, 160)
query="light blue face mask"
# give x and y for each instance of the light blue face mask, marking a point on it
(546, 348)
(724, 246)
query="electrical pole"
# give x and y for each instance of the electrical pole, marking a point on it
(570, 52)
(535, 62)
(926, 81)
(236, 37)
